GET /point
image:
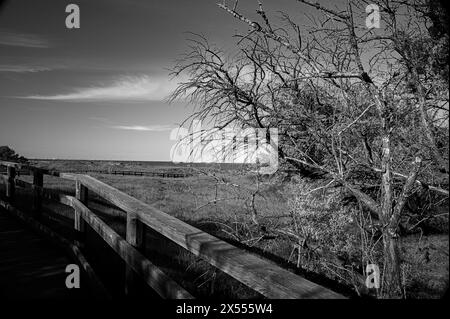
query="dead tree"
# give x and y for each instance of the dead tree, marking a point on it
(344, 98)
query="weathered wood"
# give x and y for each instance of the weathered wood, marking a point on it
(38, 184)
(24, 166)
(98, 290)
(259, 274)
(12, 164)
(11, 185)
(134, 236)
(134, 231)
(81, 193)
(153, 276)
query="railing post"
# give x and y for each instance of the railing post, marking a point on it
(11, 185)
(135, 236)
(135, 231)
(38, 183)
(81, 193)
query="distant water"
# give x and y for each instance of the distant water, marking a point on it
(139, 163)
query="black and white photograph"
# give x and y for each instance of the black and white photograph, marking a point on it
(223, 155)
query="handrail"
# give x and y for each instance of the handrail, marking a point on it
(155, 278)
(134, 260)
(261, 275)
(29, 167)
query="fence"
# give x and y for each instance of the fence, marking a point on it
(137, 173)
(259, 274)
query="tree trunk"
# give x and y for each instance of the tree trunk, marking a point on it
(391, 282)
(391, 277)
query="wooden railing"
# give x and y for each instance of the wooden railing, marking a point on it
(259, 274)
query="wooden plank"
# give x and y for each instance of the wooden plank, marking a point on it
(24, 166)
(10, 185)
(134, 236)
(153, 276)
(99, 291)
(38, 184)
(134, 231)
(81, 193)
(12, 164)
(259, 274)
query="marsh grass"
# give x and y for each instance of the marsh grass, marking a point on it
(222, 209)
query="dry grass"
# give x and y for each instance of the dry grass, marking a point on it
(192, 200)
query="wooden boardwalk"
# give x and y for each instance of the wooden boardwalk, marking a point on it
(32, 267)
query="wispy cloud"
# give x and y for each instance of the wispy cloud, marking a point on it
(147, 128)
(142, 128)
(23, 40)
(23, 68)
(123, 89)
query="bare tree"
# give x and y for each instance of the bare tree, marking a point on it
(350, 103)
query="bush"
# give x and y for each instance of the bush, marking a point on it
(328, 228)
(8, 154)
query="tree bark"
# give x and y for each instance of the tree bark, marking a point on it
(391, 255)
(392, 278)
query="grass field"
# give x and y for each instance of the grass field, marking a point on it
(222, 201)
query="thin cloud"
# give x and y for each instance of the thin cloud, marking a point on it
(23, 68)
(124, 89)
(149, 128)
(23, 40)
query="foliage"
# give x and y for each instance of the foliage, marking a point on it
(8, 154)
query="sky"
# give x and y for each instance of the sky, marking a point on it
(100, 91)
